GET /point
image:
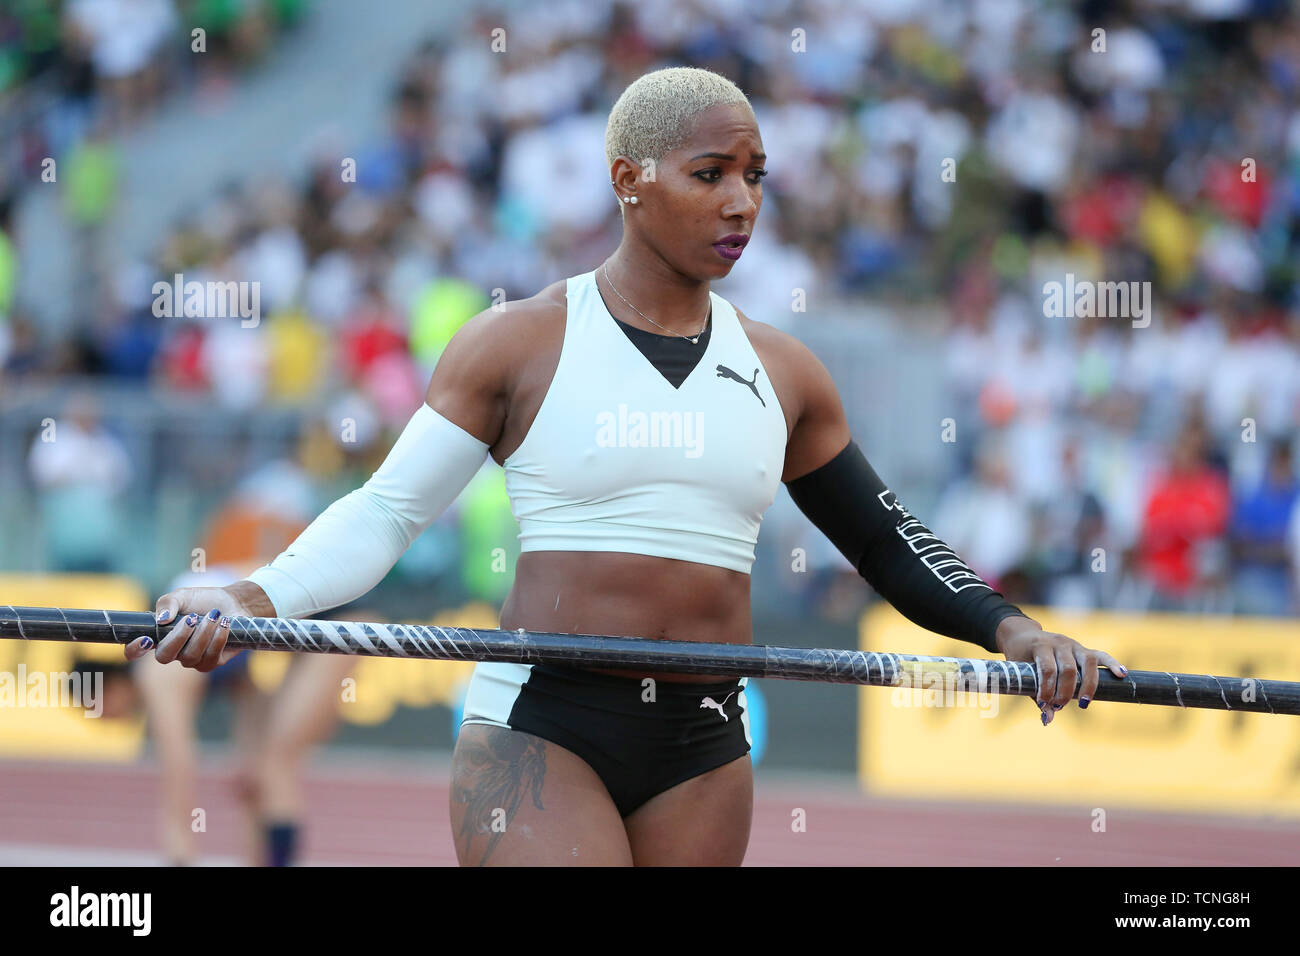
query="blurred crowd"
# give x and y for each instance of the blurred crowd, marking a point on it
(75, 73)
(67, 65)
(919, 149)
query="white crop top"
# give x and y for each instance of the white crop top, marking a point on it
(620, 460)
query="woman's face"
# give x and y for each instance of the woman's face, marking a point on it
(700, 208)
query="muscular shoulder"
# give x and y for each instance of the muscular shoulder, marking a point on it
(481, 365)
(502, 334)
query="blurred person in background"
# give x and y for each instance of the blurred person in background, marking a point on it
(1070, 527)
(124, 38)
(1262, 570)
(489, 537)
(1121, 463)
(440, 308)
(126, 334)
(81, 471)
(1182, 544)
(73, 72)
(8, 258)
(1293, 551)
(21, 354)
(238, 33)
(376, 356)
(91, 188)
(14, 339)
(272, 733)
(983, 518)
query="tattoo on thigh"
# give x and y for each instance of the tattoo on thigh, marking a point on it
(491, 776)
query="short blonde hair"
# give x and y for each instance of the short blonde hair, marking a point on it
(656, 112)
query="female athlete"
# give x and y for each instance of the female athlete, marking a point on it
(643, 423)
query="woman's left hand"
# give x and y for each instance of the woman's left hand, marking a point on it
(1063, 663)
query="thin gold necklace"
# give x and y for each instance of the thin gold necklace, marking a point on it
(694, 341)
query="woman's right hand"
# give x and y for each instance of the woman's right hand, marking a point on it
(202, 618)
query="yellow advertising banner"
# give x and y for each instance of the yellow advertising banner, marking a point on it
(935, 741)
(37, 678)
(32, 674)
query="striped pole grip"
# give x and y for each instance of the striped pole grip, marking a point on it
(872, 668)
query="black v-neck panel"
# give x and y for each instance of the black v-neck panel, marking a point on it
(673, 357)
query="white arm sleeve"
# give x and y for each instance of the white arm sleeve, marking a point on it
(356, 541)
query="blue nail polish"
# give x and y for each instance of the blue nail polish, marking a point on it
(214, 614)
(164, 616)
(192, 619)
(147, 643)
(1045, 719)
(1084, 702)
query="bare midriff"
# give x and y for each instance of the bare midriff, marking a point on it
(630, 595)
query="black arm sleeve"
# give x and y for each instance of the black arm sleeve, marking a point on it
(897, 555)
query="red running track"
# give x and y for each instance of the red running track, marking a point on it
(383, 812)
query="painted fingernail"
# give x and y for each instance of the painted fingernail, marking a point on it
(164, 616)
(147, 643)
(1057, 706)
(224, 622)
(1084, 702)
(214, 614)
(192, 619)
(1124, 669)
(1046, 720)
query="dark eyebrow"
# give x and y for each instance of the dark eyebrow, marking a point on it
(760, 157)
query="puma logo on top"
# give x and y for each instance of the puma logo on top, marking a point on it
(710, 702)
(724, 372)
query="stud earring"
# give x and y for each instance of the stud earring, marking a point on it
(625, 199)
(633, 200)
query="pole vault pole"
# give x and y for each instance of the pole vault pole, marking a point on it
(871, 668)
